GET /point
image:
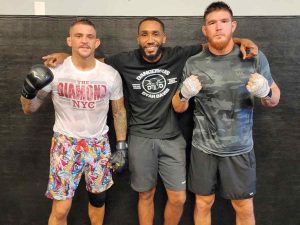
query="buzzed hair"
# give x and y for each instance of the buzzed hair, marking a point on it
(152, 19)
(216, 6)
(82, 20)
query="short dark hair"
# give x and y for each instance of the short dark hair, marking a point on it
(83, 20)
(152, 19)
(215, 6)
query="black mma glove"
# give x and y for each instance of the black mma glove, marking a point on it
(119, 159)
(38, 77)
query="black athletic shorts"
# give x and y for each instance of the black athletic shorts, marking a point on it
(234, 176)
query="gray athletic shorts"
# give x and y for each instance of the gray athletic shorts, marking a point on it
(234, 176)
(148, 157)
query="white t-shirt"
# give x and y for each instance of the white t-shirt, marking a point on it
(81, 98)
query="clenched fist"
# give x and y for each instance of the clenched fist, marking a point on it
(190, 87)
(258, 85)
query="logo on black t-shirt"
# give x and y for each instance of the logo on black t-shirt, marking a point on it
(154, 83)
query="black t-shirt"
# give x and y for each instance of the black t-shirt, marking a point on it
(150, 88)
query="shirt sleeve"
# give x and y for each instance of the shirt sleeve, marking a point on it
(113, 61)
(263, 67)
(116, 88)
(185, 74)
(192, 50)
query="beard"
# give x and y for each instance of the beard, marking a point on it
(151, 57)
(219, 44)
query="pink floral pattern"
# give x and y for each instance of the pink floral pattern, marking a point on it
(70, 158)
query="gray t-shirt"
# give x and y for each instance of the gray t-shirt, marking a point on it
(223, 114)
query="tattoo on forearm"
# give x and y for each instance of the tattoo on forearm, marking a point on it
(30, 106)
(120, 118)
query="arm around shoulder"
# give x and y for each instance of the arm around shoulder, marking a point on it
(54, 59)
(247, 47)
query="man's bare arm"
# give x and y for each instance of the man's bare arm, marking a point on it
(274, 100)
(179, 105)
(30, 106)
(54, 59)
(120, 118)
(248, 48)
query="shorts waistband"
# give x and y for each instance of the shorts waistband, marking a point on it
(74, 140)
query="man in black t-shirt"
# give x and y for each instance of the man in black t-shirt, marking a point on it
(150, 76)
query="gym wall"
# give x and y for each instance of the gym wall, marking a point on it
(144, 7)
(25, 140)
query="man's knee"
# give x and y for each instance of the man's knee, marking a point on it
(60, 214)
(176, 197)
(243, 207)
(204, 202)
(147, 195)
(97, 199)
(60, 209)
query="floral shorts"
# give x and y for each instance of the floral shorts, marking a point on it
(70, 157)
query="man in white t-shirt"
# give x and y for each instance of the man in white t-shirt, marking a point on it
(80, 88)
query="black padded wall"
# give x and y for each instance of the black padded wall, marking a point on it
(25, 140)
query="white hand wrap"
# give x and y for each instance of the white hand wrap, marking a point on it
(189, 88)
(259, 86)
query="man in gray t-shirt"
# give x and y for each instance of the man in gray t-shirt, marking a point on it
(223, 86)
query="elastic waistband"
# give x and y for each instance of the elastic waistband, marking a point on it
(74, 140)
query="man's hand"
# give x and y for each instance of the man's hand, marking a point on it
(258, 85)
(247, 47)
(190, 87)
(54, 59)
(119, 159)
(38, 77)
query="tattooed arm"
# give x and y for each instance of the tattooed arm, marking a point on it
(30, 106)
(119, 159)
(120, 118)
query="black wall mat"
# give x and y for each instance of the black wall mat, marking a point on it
(25, 140)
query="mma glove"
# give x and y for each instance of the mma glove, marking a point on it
(259, 86)
(190, 87)
(38, 77)
(119, 159)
